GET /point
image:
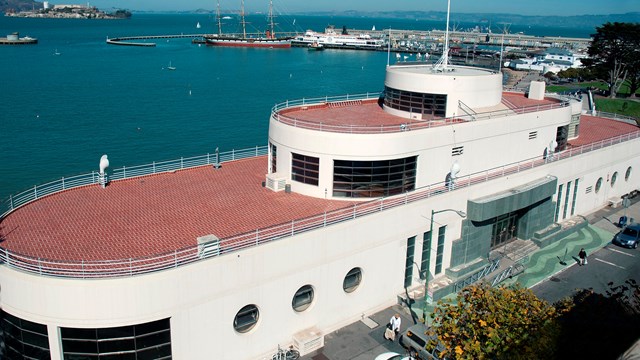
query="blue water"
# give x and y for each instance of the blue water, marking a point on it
(60, 113)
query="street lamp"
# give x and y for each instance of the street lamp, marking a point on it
(427, 299)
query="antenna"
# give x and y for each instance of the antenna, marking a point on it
(218, 18)
(244, 23)
(443, 62)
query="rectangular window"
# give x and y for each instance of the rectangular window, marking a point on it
(558, 203)
(426, 255)
(353, 178)
(274, 157)
(575, 196)
(305, 169)
(408, 268)
(440, 249)
(566, 201)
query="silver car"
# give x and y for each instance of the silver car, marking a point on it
(416, 340)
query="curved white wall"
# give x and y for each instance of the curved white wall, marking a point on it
(477, 88)
(487, 144)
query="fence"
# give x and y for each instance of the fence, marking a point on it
(130, 267)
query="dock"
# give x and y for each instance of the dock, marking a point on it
(129, 40)
(15, 39)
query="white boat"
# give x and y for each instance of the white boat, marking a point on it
(331, 38)
(56, 52)
(170, 67)
(198, 25)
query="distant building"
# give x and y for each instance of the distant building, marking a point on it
(551, 60)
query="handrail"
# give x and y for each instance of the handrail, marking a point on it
(179, 257)
(277, 114)
(39, 191)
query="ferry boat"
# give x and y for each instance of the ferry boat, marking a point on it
(332, 39)
(352, 203)
(269, 40)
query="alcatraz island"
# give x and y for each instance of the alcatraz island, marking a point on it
(68, 11)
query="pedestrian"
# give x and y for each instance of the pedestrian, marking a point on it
(395, 323)
(583, 257)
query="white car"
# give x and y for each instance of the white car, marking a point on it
(393, 356)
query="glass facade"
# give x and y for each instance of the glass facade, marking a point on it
(429, 105)
(146, 341)
(373, 178)
(408, 268)
(566, 201)
(562, 136)
(558, 203)
(440, 249)
(575, 196)
(426, 254)
(274, 158)
(22, 339)
(305, 169)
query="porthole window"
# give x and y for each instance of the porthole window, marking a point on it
(614, 177)
(246, 319)
(627, 174)
(352, 280)
(303, 298)
(598, 185)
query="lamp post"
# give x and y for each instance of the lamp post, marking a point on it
(463, 215)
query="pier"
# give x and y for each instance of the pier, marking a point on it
(408, 40)
(15, 39)
(127, 40)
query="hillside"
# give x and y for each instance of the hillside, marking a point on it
(19, 5)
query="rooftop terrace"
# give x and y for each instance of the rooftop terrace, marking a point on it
(156, 219)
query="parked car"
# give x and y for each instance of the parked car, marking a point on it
(416, 340)
(629, 236)
(393, 356)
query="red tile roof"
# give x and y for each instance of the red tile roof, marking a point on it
(154, 214)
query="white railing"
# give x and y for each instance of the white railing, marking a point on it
(280, 112)
(136, 266)
(39, 191)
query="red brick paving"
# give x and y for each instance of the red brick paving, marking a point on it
(593, 129)
(154, 214)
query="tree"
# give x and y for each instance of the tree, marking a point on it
(496, 323)
(614, 51)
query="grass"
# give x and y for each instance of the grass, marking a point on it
(619, 106)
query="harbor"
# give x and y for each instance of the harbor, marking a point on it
(15, 39)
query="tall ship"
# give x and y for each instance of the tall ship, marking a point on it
(330, 38)
(268, 40)
(352, 202)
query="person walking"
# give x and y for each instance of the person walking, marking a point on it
(395, 323)
(583, 257)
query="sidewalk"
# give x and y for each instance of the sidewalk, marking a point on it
(364, 340)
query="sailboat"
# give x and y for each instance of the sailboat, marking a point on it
(56, 52)
(170, 67)
(269, 40)
(198, 25)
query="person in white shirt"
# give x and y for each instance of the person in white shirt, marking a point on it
(395, 323)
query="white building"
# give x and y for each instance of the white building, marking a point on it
(551, 60)
(332, 224)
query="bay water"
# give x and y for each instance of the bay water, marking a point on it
(72, 97)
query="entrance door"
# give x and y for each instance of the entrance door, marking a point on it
(504, 230)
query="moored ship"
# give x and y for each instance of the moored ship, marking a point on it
(330, 38)
(269, 40)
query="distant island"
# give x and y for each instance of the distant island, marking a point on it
(67, 12)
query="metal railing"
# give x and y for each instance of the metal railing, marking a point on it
(179, 257)
(281, 113)
(39, 191)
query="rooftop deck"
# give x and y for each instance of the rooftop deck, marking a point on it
(362, 114)
(150, 218)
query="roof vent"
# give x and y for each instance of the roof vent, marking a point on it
(536, 90)
(276, 182)
(208, 245)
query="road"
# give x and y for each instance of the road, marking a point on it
(611, 263)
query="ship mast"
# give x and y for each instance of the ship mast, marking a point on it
(244, 24)
(273, 34)
(218, 18)
(445, 51)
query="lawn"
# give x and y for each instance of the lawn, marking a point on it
(619, 106)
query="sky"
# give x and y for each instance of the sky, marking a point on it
(521, 7)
